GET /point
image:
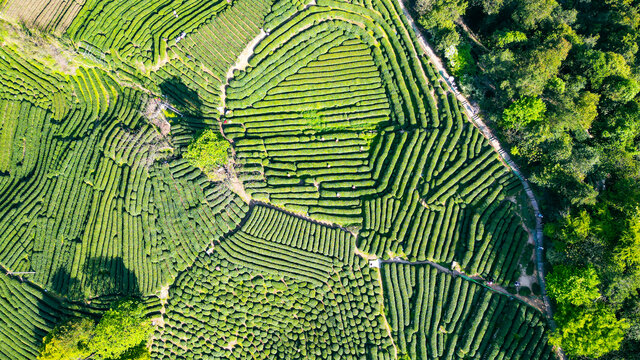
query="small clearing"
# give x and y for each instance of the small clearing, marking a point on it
(164, 292)
(154, 113)
(235, 184)
(231, 345)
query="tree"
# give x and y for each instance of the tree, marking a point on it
(502, 38)
(121, 328)
(571, 285)
(120, 334)
(619, 88)
(627, 252)
(523, 112)
(68, 341)
(590, 332)
(585, 110)
(208, 152)
(536, 68)
(530, 12)
(598, 65)
(490, 7)
(440, 13)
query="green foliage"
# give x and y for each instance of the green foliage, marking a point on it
(351, 142)
(96, 24)
(121, 334)
(570, 285)
(462, 62)
(261, 313)
(208, 151)
(524, 112)
(529, 13)
(491, 7)
(586, 109)
(440, 14)
(557, 85)
(524, 291)
(598, 65)
(68, 341)
(627, 250)
(504, 38)
(536, 68)
(580, 60)
(620, 89)
(122, 328)
(590, 332)
(492, 323)
(438, 17)
(586, 238)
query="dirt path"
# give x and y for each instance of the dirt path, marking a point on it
(384, 317)
(476, 279)
(472, 113)
(241, 63)
(470, 33)
(235, 184)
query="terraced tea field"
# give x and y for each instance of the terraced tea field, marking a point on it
(347, 149)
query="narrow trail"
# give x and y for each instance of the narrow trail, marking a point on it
(473, 114)
(475, 279)
(241, 63)
(387, 325)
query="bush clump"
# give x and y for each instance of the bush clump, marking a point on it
(208, 151)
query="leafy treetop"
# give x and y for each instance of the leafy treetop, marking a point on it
(208, 152)
(573, 285)
(121, 334)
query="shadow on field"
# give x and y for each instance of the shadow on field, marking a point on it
(101, 276)
(104, 281)
(109, 276)
(186, 101)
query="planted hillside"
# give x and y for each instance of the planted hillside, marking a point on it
(558, 81)
(436, 316)
(368, 136)
(271, 179)
(138, 31)
(27, 315)
(223, 309)
(54, 16)
(92, 199)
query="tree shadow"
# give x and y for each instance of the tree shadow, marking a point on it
(104, 282)
(186, 102)
(100, 277)
(108, 277)
(62, 283)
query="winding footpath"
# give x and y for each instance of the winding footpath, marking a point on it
(475, 279)
(473, 114)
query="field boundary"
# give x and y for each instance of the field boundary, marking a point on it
(473, 114)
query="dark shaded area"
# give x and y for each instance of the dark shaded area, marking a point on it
(102, 277)
(110, 276)
(107, 277)
(186, 102)
(62, 282)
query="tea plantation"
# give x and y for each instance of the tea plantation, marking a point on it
(353, 178)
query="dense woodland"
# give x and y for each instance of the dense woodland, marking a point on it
(559, 79)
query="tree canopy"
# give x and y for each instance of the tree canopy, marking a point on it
(208, 151)
(524, 111)
(589, 332)
(559, 80)
(120, 334)
(573, 285)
